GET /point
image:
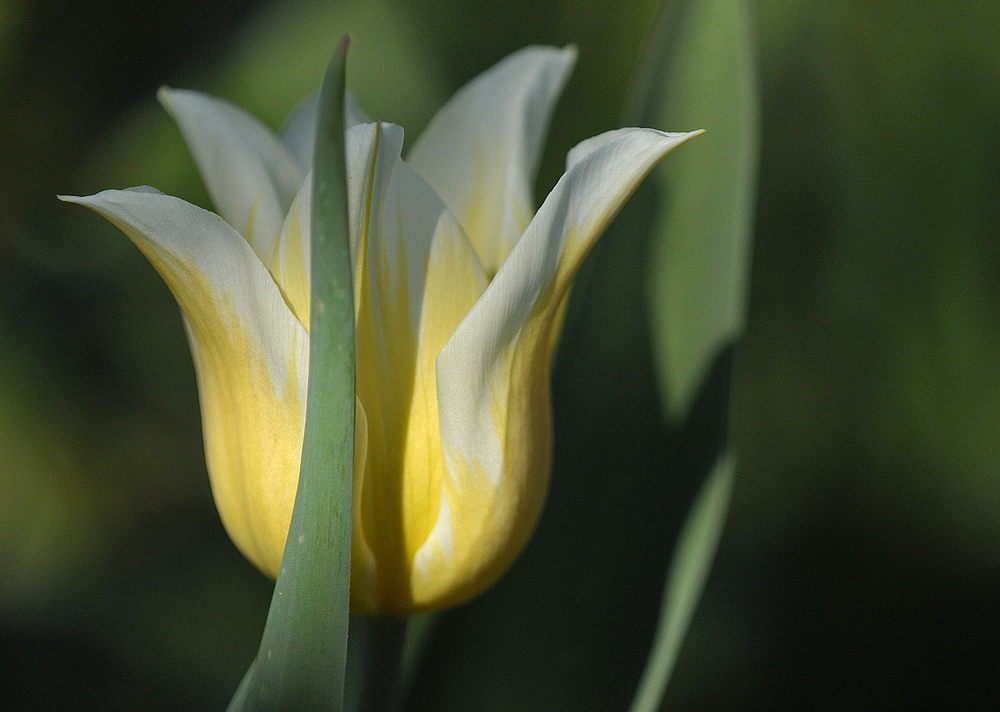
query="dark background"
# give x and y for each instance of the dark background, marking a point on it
(860, 568)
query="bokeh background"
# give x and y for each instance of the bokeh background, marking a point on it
(860, 568)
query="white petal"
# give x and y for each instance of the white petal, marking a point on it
(299, 130)
(250, 175)
(298, 133)
(481, 150)
(494, 372)
(573, 216)
(251, 357)
(589, 145)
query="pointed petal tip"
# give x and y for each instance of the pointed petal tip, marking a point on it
(85, 200)
(163, 95)
(168, 97)
(588, 146)
(89, 200)
(566, 56)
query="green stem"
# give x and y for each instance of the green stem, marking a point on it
(381, 690)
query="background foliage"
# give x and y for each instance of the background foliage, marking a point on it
(861, 563)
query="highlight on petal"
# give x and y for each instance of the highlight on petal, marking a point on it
(251, 177)
(480, 152)
(250, 353)
(494, 372)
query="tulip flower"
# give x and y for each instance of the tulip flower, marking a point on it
(459, 292)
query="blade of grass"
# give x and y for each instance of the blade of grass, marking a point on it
(300, 663)
(685, 581)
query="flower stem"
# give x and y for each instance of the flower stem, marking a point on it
(381, 689)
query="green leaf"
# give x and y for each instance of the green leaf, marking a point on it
(301, 661)
(685, 581)
(699, 71)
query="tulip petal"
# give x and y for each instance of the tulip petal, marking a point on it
(363, 566)
(480, 152)
(416, 277)
(455, 280)
(372, 152)
(494, 372)
(249, 174)
(251, 358)
(299, 130)
(289, 261)
(298, 133)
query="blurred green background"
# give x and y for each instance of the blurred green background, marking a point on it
(860, 568)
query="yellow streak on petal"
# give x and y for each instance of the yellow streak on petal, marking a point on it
(363, 569)
(385, 355)
(477, 216)
(252, 427)
(252, 220)
(481, 214)
(492, 521)
(454, 282)
(287, 265)
(253, 439)
(558, 319)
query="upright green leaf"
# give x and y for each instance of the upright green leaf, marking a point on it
(699, 72)
(689, 570)
(300, 664)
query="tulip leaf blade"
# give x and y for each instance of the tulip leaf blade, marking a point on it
(689, 569)
(300, 665)
(699, 71)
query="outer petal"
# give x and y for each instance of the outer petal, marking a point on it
(481, 150)
(250, 175)
(493, 374)
(250, 354)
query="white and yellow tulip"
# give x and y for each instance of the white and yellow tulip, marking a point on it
(459, 291)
